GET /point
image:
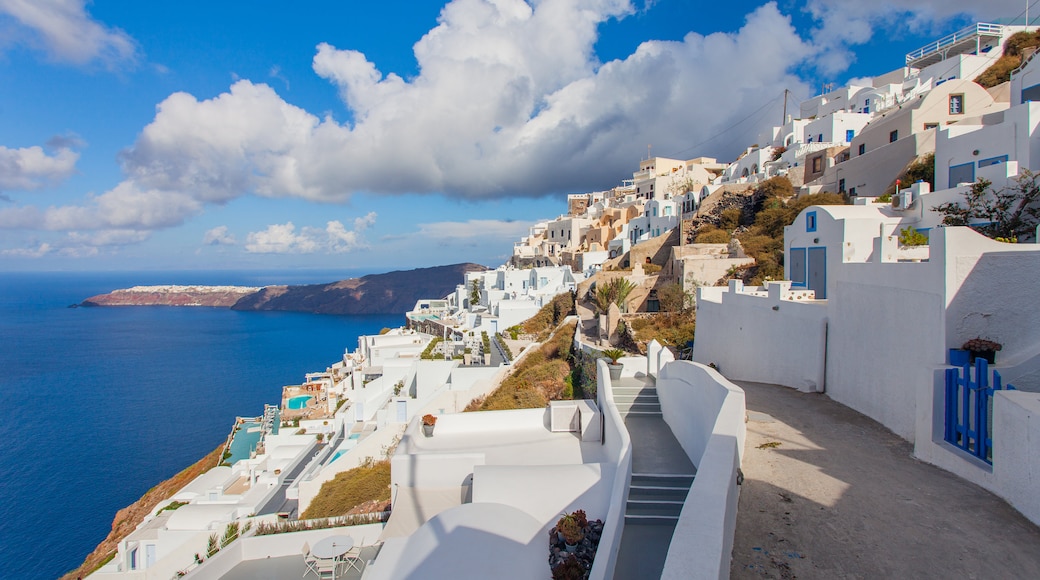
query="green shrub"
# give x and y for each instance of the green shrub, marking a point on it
(711, 235)
(909, 236)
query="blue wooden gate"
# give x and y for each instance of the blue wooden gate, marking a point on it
(969, 408)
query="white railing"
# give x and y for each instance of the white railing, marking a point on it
(980, 29)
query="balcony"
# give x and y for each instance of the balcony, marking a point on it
(970, 39)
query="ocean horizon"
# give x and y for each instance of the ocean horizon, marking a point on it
(103, 403)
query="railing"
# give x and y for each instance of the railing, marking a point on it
(969, 409)
(979, 29)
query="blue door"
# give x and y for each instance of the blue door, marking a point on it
(818, 272)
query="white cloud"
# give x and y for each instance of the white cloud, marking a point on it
(510, 100)
(490, 230)
(843, 24)
(335, 238)
(37, 252)
(219, 236)
(31, 168)
(64, 30)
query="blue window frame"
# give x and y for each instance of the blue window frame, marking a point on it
(992, 161)
(810, 221)
(849, 134)
(820, 138)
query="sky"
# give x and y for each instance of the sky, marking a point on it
(385, 135)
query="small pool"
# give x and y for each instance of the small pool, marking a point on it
(298, 402)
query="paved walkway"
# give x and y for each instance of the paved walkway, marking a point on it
(829, 493)
(661, 479)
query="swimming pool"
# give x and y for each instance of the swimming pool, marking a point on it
(298, 402)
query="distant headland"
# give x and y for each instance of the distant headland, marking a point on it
(389, 293)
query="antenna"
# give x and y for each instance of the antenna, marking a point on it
(648, 152)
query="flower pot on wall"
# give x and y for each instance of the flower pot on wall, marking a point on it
(427, 430)
(989, 355)
(959, 357)
(615, 371)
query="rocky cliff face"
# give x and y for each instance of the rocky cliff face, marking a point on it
(221, 296)
(390, 293)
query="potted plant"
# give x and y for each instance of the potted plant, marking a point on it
(570, 532)
(428, 421)
(980, 347)
(615, 368)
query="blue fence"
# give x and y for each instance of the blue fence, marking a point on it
(969, 408)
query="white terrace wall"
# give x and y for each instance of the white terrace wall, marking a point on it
(706, 414)
(619, 448)
(764, 339)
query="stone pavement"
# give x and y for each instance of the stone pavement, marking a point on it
(830, 493)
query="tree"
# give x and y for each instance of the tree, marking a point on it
(1008, 213)
(673, 298)
(474, 293)
(613, 292)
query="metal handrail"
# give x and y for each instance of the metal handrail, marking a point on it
(982, 28)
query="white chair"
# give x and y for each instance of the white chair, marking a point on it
(326, 568)
(310, 561)
(352, 558)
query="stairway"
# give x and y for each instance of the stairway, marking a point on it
(656, 498)
(662, 475)
(636, 398)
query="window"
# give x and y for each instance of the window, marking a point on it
(893, 136)
(543, 282)
(655, 211)
(810, 221)
(668, 211)
(956, 104)
(841, 185)
(862, 148)
(993, 161)
(817, 164)
(852, 192)
(820, 138)
(849, 134)
(866, 109)
(928, 126)
(810, 138)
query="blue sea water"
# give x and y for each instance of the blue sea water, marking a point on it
(97, 405)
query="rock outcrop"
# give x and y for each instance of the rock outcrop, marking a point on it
(390, 293)
(219, 296)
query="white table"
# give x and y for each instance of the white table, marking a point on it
(332, 547)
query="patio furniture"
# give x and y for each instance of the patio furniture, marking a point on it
(330, 554)
(309, 560)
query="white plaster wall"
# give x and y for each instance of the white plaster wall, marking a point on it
(433, 470)
(698, 403)
(585, 486)
(750, 341)
(872, 172)
(1016, 464)
(618, 446)
(889, 336)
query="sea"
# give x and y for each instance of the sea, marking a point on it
(97, 405)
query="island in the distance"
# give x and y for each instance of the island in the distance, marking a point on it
(389, 293)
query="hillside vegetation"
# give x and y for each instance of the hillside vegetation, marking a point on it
(1000, 71)
(541, 376)
(350, 489)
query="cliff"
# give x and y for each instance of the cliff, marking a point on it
(390, 293)
(221, 296)
(128, 518)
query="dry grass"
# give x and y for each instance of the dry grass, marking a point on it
(537, 379)
(368, 483)
(670, 329)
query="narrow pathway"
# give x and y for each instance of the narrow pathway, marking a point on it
(829, 493)
(661, 478)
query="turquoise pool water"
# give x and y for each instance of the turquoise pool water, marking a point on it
(299, 402)
(244, 442)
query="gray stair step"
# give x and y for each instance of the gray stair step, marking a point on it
(651, 520)
(684, 480)
(650, 508)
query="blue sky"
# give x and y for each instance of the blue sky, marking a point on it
(383, 135)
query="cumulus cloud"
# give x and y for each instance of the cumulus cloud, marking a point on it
(35, 252)
(490, 230)
(510, 100)
(843, 24)
(335, 238)
(219, 236)
(31, 168)
(64, 30)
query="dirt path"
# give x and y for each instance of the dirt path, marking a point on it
(829, 493)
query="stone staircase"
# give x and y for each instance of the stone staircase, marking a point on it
(634, 398)
(656, 498)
